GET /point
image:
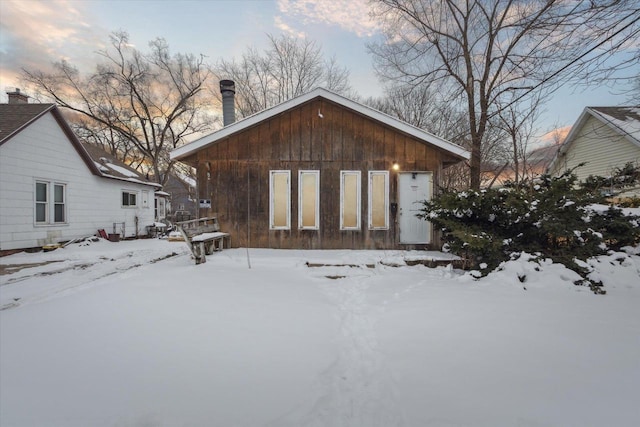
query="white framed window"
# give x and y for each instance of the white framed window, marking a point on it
(378, 200)
(280, 200)
(309, 199)
(350, 200)
(129, 199)
(50, 203)
(42, 202)
(59, 203)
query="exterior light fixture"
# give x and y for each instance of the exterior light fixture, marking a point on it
(396, 166)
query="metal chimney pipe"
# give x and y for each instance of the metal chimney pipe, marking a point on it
(228, 91)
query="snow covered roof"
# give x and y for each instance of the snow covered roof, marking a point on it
(188, 149)
(110, 167)
(623, 120)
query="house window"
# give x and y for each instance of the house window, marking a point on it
(58, 203)
(349, 200)
(378, 200)
(161, 208)
(45, 210)
(309, 199)
(280, 200)
(42, 204)
(128, 198)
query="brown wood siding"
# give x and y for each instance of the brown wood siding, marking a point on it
(299, 139)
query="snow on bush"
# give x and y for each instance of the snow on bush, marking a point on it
(556, 218)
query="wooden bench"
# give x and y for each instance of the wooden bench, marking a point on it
(203, 236)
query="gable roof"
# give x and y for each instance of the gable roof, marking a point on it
(16, 117)
(622, 120)
(188, 149)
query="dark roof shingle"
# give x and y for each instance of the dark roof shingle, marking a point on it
(15, 117)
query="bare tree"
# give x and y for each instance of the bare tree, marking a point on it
(289, 67)
(517, 121)
(422, 108)
(634, 93)
(141, 105)
(477, 53)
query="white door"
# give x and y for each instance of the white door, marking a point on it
(413, 189)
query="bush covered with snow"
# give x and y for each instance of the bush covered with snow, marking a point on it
(553, 217)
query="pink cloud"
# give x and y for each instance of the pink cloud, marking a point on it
(38, 33)
(350, 15)
(556, 136)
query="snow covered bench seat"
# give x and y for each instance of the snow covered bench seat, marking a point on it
(203, 236)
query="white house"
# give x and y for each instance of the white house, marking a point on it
(52, 190)
(605, 138)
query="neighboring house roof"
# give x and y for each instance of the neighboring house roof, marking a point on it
(622, 120)
(625, 120)
(16, 117)
(540, 158)
(111, 167)
(187, 150)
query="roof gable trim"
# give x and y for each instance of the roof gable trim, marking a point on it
(28, 123)
(187, 150)
(606, 119)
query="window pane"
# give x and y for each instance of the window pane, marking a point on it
(132, 199)
(378, 200)
(58, 196)
(41, 212)
(125, 199)
(280, 199)
(308, 199)
(59, 213)
(41, 192)
(350, 195)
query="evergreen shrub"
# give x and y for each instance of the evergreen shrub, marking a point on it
(551, 217)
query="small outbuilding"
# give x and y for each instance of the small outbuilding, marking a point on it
(319, 171)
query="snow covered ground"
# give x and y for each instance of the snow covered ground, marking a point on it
(135, 334)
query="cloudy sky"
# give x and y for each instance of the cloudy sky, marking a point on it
(34, 33)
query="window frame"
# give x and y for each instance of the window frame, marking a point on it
(45, 202)
(129, 193)
(316, 214)
(63, 203)
(272, 209)
(372, 174)
(358, 175)
(51, 203)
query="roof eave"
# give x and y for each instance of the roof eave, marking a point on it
(570, 136)
(189, 149)
(132, 181)
(602, 117)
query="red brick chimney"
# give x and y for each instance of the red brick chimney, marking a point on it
(16, 97)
